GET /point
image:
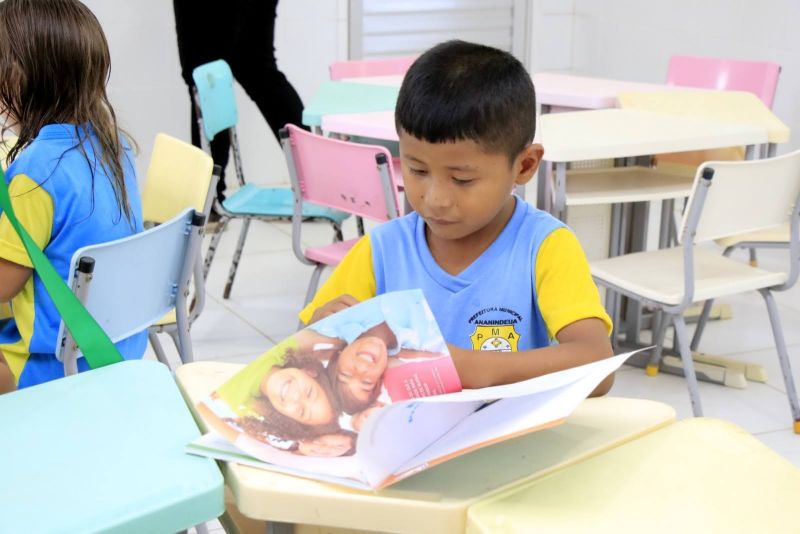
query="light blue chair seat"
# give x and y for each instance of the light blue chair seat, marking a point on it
(104, 451)
(252, 200)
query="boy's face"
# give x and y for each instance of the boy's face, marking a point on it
(458, 188)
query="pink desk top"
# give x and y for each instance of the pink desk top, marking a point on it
(378, 125)
(582, 92)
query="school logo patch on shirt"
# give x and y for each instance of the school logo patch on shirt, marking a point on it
(494, 330)
(499, 338)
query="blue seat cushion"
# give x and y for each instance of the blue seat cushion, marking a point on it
(252, 200)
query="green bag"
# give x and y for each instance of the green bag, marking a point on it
(94, 343)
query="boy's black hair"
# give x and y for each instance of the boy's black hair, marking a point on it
(465, 91)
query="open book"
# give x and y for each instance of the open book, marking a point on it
(370, 395)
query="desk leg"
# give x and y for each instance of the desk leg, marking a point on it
(638, 236)
(274, 527)
(542, 186)
(542, 200)
(560, 203)
(665, 228)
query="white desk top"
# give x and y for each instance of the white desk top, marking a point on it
(618, 133)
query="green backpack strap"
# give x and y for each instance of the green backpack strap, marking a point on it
(94, 343)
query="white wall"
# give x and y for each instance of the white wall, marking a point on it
(626, 39)
(149, 95)
(633, 40)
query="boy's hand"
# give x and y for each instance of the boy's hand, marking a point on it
(336, 305)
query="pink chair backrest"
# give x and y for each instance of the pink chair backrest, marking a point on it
(757, 77)
(370, 67)
(343, 175)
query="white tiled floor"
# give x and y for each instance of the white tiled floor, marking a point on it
(271, 283)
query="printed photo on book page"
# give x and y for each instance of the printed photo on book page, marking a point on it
(310, 395)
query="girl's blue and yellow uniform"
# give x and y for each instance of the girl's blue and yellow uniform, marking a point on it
(64, 203)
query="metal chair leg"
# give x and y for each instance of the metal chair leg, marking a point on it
(701, 324)
(783, 356)
(338, 236)
(212, 247)
(237, 255)
(157, 348)
(753, 258)
(312, 289)
(313, 283)
(661, 322)
(682, 340)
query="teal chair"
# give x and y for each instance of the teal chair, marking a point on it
(216, 105)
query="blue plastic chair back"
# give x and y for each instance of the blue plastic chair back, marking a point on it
(214, 83)
(136, 279)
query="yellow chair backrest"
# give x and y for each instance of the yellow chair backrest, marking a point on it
(179, 177)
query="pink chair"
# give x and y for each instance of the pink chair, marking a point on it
(757, 77)
(370, 67)
(350, 177)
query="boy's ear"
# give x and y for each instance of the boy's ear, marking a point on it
(528, 162)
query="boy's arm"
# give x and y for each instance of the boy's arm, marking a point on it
(579, 343)
(570, 305)
(351, 282)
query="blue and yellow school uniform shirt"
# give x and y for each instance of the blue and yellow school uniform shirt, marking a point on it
(64, 204)
(530, 283)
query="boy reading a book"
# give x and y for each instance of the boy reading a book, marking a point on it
(504, 280)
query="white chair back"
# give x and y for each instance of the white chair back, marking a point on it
(745, 196)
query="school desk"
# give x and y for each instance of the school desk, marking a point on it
(733, 107)
(435, 500)
(697, 475)
(103, 451)
(559, 90)
(345, 97)
(584, 92)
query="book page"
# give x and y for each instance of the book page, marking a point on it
(498, 413)
(215, 446)
(401, 431)
(303, 403)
